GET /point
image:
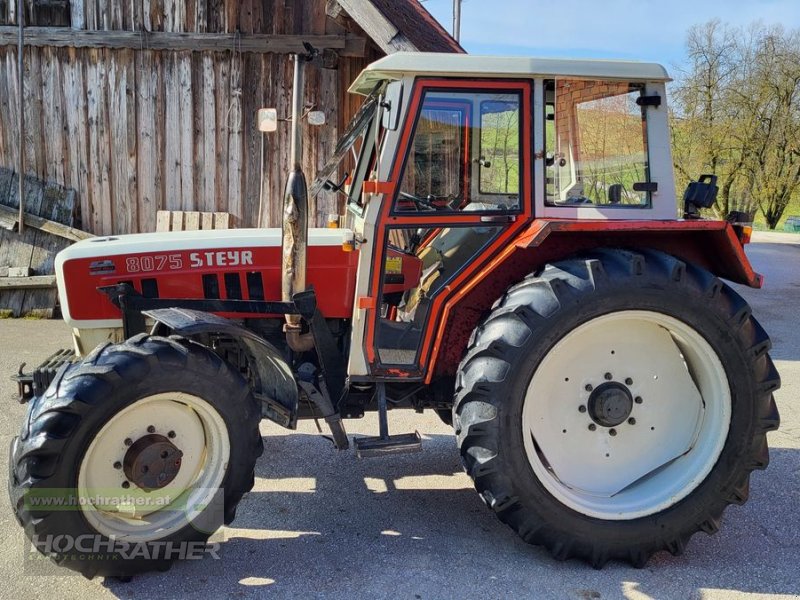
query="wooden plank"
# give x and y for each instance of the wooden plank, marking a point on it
(3, 271)
(345, 45)
(130, 149)
(235, 139)
(99, 218)
(252, 99)
(28, 283)
(186, 129)
(77, 135)
(172, 145)
(122, 204)
(176, 223)
(33, 142)
(206, 220)
(52, 116)
(191, 221)
(222, 220)
(209, 113)
(149, 157)
(163, 220)
(221, 103)
(78, 13)
(53, 227)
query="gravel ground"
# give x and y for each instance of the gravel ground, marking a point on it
(326, 524)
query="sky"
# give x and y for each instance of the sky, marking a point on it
(649, 30)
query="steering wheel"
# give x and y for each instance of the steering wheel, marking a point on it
(420, 203)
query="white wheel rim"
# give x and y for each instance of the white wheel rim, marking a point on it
(131, 513)
(677, 433)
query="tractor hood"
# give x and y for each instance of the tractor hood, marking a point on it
(228, 264)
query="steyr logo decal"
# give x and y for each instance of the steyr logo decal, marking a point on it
(224, 258)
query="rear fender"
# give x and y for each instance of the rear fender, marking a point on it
(276, 387)
(712, 245)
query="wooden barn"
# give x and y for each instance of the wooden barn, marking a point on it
(147, 105)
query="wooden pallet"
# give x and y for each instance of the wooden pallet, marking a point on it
(178, 220)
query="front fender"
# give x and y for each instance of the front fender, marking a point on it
(276, 386)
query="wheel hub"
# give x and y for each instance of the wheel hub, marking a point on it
(152, 462)
(610, 404)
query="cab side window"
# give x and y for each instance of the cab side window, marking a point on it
(464, 154)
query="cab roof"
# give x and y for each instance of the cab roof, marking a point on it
(427, 64)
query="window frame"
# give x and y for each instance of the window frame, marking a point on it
(405, 148)
(552, 205)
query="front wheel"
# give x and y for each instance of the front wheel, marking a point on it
(134, 457)
(612, 406)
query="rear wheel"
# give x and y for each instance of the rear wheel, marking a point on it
(135, 456)
(612, 406)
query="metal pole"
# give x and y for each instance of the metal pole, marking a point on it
(457, 20)
(298, 88)
(21, 114)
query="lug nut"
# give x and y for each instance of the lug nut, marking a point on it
(628, 381)
(588, 387)
(151, 429)
(592, 426)
(582, 408)
(612, 432)
(126, 485)
(608, 376)
(638, 400)
(631, 421)
(128, 442)
(117, 465)
(171, 434)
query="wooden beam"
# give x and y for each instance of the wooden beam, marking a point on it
(28, 283)
(8, 216)
(345, 45)
(385, 33)
(333, 9)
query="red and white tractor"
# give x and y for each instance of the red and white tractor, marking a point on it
(513, 255)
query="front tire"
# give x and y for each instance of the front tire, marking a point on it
(134, 457)
(610, 407)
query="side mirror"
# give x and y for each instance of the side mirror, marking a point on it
(267, 119)
(700, 194)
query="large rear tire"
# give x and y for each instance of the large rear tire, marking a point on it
(134, 457)
(612, 406)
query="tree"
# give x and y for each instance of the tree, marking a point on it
(737, 115)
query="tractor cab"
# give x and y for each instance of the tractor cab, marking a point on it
(453, 164)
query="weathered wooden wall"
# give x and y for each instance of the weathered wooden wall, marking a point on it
(135, 131)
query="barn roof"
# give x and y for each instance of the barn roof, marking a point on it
(398, 25)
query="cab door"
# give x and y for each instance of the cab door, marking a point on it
(459, 190)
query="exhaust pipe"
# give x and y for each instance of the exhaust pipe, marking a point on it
(294, 239)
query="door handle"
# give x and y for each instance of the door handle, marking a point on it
(498, 218)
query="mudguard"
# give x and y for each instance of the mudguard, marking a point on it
(276, 387)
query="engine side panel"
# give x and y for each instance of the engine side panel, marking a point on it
(241, 264)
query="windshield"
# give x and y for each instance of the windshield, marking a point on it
(355, 132)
